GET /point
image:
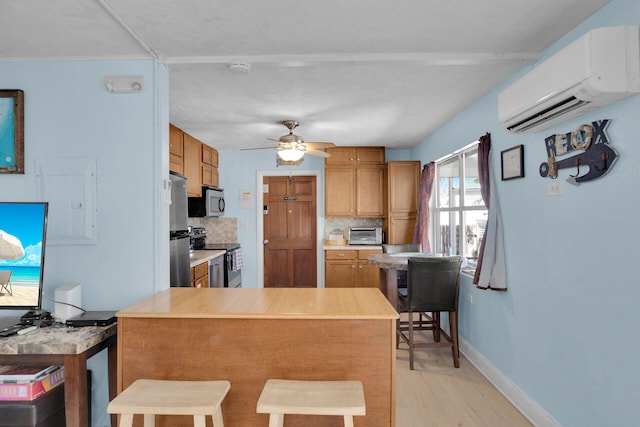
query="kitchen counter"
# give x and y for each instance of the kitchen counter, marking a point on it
(352, 247)
(249, 335)
(198, 257)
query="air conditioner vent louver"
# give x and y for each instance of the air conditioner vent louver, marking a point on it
(601, 67)
(550, 113)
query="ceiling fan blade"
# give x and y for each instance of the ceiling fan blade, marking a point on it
(261, 148)
(319, 144)
(315, 152)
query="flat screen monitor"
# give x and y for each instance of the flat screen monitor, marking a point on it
(23, 230)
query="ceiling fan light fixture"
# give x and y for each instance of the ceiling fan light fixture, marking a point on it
(290, 154)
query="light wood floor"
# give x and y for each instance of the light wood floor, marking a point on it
(436, 394)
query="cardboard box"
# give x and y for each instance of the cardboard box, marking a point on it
(31, 390)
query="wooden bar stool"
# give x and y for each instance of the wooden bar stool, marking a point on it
(168, 397)
(280, 397)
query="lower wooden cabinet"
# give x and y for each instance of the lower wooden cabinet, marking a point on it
(200, 275)
(350, 269)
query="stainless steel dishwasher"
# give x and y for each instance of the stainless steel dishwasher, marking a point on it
(216, 272)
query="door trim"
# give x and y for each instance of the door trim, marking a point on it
(319, 221)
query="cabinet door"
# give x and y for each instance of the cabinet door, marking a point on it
(339, 192)
(214, 157)
(215, 179)
(401, 229)
(369, 156)
(176, 138)
(368, 275)
(192, 165)
(369, 191)
(175, 141)
(339, 274)
(340, 156)
(201, 275)
(207, 175)
(404, 184)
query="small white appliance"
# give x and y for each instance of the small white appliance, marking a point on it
(68, 300)
(365, 236)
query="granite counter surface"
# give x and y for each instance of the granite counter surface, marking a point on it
(57, 339)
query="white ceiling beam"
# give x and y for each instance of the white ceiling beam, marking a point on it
(440, 59)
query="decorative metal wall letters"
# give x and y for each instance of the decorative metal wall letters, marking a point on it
(589, 149)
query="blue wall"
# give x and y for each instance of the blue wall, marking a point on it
(564, 331)
(68, 115)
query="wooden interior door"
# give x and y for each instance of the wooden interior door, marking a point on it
(290, 232)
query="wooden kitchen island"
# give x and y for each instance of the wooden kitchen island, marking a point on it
(247, 336)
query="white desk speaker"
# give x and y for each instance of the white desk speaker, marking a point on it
(66, 297)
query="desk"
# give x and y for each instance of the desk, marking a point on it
(71, 347)
(248, 335)
(389, 265)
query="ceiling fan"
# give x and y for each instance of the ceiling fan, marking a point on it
(292, 147)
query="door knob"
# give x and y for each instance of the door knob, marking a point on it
(265, 241)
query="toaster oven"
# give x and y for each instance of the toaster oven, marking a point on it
(365, 236)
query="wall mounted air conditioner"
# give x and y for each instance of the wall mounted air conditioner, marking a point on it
(597, 69)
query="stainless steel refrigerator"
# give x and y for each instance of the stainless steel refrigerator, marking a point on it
(179, 233)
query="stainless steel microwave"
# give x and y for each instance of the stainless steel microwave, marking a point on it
(365, 236)
(210, 204)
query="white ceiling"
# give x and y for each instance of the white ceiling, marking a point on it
(353, 72)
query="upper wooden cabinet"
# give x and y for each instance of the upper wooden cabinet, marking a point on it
(192, 165)
(209, 166)
(340, 191)
(403, 184)
(176, 149)
(369, 191)
(354, 182)
(354, 156)
(402, 187)
(193, 159)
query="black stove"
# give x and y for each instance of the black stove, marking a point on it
(221, 246)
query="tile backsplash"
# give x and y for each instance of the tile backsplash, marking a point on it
(219, 230)
(342, 224)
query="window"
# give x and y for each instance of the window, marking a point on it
(459, 214)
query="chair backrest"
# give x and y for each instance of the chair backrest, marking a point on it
(433, 284)
(404, 247)
(5, 275)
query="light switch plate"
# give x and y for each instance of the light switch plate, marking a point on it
(555, 188)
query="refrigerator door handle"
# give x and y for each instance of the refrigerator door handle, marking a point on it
(178, 234)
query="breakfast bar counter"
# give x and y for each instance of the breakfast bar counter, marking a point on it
(247, 336)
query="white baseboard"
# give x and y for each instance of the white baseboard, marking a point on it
(514, 394)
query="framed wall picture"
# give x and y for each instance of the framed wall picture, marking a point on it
(11, 131)
(513, 162)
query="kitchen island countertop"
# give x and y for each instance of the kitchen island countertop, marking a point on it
(269, 303)
(248, 335)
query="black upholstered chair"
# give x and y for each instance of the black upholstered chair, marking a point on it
(398, 248)
(433, 286)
